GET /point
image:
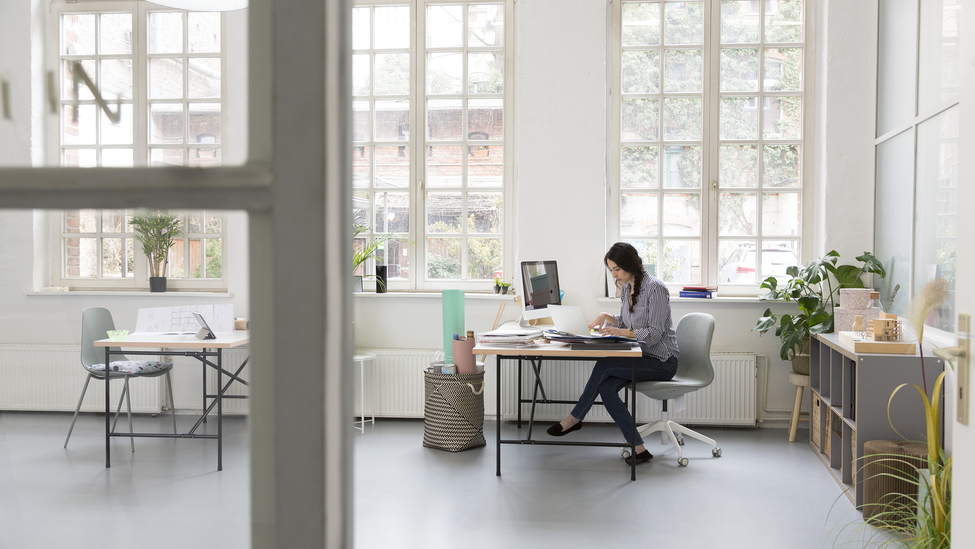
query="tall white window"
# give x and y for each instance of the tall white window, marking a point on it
(438, 191)
(160, 73)
(708, 119)
(917, 151)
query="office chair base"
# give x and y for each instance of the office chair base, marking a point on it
(673, 430)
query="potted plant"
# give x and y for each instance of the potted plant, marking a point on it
(812, 288)
(156, 231)
(497, 284)
(370, 250)
(504, 287)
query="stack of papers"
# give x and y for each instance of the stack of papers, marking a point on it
(556, 335)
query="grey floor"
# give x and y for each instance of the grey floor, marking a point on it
(762, 493)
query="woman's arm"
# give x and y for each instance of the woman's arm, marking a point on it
(651, 313)
(602, 318)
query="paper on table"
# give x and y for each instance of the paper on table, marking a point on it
(179, 320)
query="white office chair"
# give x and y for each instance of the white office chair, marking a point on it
(95, 324)
(694, 371)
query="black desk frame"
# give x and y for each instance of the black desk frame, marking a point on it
(536, 365)
(217, 398)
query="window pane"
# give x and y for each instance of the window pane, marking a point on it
(739, 70)
(896, 65)
(78, 34)
(113, 257)
(444, 166)
(485, 25)
(683, 23)
(485, 165)
(116, 78)
(783, 21)
(117, 133)
(166, 123)
(204, 77)
(392, 167)
(736, 262)
(392, 213)
(638, 214)
(444, 73)
(739, 166)
(895, 185)
(392, 27)
(641, 24)
(444, 119)
(79, 158)
(485, 118)
(739, 24)
(783, 69)
(166, 157)
(938, 74)
(485, 72)
(443, 258)
(361, 121)
(682, 167)
(82, 257)
(682, 261)
(736, 214)
(81, 130)
(739, 117)
(165, 78)
(781, 164)
(445, 26)
(783, 118)
(393, 120)
(396, 256)
(204, 31)
(483, 258)
(67, 82)
(360, 74)
(360, 28)
(392, 74)
(196, 258)
(444, 212)
(214, 257)
(201, 157)
(117, 158)
(780, 214)
(682, 214)
(81, 221)
(484, 212)
(205, 123)
(166, 32)
(640, 119)
(682, 118)
(177, 260)
(682, 71)
(639, 167)
(361, 160)
(777, 256)
(648, 252)
(641, 71)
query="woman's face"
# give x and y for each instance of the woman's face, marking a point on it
(618, 273)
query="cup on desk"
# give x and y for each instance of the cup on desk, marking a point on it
(436, 367)
(449, 369)
(241, 324)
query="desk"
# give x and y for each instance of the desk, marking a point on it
(536, 356)
(179, 345)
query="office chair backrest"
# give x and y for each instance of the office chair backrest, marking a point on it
(95, 324)
(694, 332)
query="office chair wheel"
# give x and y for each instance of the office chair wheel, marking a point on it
(682, 462)
(716, 452)
(625, 452)
(680, 439)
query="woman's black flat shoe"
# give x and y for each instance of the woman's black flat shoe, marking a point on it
(556, 430)
(640, 458)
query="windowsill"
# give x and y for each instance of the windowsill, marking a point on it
(431, 295)
(132, 293)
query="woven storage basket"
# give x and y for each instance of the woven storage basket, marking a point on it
(453, 411)
(890, 471)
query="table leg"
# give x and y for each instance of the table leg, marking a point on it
(108, 453)
(362, 396)
(633, 413)
(205, 387)
(537, 368)
(220, 410)
(497, 430)
(518, 401)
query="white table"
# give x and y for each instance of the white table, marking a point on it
(360, 358)
(180, 345)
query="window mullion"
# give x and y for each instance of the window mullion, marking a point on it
(418, 138)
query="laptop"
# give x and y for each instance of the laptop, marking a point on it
(205, 331)
(570, 320)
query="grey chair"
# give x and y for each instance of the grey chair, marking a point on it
(694, 371)
(95, 324)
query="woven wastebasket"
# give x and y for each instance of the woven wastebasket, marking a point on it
(890, 470)
(453, 411)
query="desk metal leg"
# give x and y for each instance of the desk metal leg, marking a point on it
(537, 368)
(518, 400)
(633, 413)
(220, 410)
(497, 437)
(108, 377)
(205, 387)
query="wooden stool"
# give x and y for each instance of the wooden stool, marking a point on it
(800, 381)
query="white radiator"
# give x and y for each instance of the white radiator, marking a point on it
(50, 378)
(397, 389)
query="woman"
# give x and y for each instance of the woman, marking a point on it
(645, 316)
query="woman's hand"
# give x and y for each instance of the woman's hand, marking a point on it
(602, 318)
(614, 331)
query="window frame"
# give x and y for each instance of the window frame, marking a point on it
(418, 143)
(140, 146)
(711, 143)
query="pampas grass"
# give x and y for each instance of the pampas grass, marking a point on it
(931, 296)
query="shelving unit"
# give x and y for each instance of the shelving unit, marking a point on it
(850, 394)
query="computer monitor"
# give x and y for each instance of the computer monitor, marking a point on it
(540, 288)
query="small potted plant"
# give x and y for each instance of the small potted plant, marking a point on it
(504, 287)
(156, 231)
(497, 284)
(370, 250)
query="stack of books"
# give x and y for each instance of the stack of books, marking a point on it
(701, 292)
